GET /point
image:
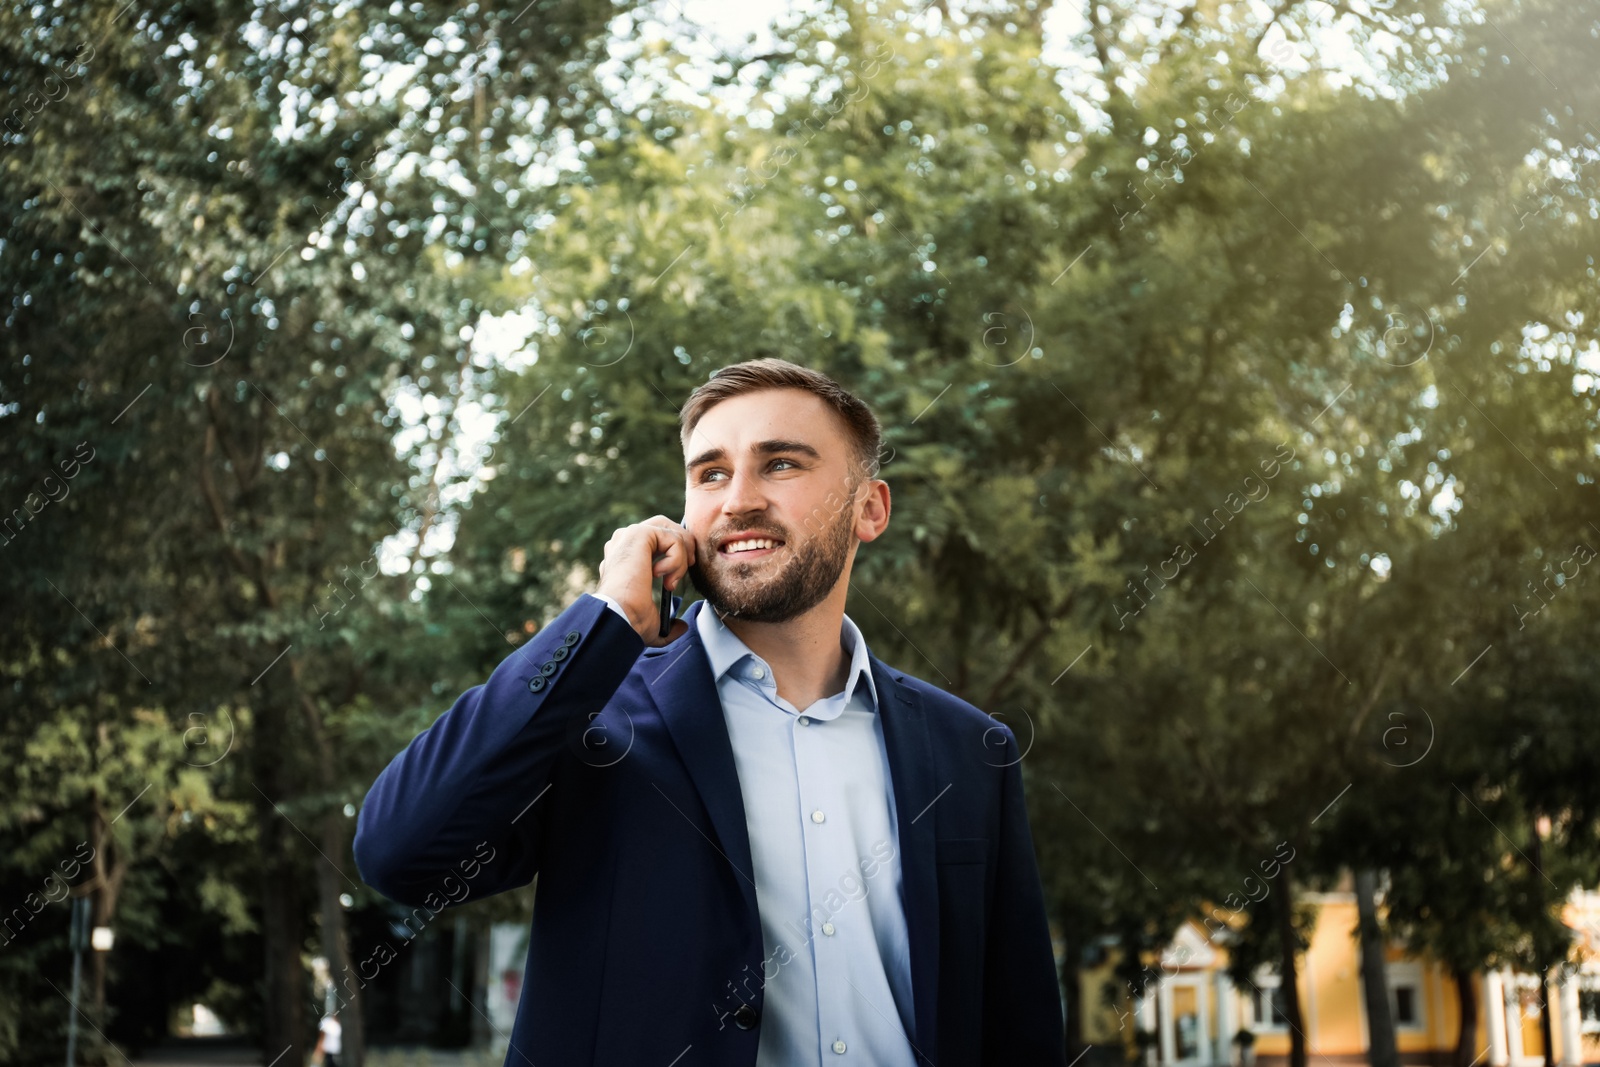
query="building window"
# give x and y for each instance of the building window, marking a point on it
(1589, 1010)
(1405, 1006)
(1405, 996)
(1268, 1003)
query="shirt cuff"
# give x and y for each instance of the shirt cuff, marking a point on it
(616, 607)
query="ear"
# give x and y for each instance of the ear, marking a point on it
(874, 516)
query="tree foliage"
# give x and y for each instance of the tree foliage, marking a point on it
(1238, 376)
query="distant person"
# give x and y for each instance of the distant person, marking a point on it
(330, 1041)
(757, 844)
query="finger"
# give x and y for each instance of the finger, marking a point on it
(691, 542)
(669, 538)
(673, 559)
(658, 534)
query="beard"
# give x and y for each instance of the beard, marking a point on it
(792, 581)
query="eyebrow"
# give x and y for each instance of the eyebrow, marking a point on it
(760, 448)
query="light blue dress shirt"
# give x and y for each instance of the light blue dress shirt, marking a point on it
(819, 807)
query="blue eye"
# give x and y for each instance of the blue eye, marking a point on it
(706, 475)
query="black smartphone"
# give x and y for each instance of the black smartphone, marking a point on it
(670, 602)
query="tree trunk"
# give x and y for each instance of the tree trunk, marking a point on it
(1544, 1019)
(1374, 982)
(482, 979)
(335, 945)
(283, 1022)
(1072, 994)
(1467, 1037)
(283, 985)
(283, 1015)
(334, 851)
(1287, 968)
(1544, 971)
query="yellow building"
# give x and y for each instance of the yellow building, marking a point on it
(1195, 1011)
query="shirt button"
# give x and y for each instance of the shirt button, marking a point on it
(816, 816)
(838, 1046)
(757, 673)
(805, 720)
(827, 928)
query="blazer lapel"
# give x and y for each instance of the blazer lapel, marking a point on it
(909, 747)
(678, 679)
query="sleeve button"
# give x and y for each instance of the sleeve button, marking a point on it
(537, 684)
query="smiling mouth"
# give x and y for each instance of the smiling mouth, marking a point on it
(751, 548)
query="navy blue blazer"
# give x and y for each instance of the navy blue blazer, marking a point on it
(603, 766)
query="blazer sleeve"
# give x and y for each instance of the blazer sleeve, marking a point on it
(1022, 1007)
(454, 807)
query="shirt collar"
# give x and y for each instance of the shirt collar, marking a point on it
(724, 650)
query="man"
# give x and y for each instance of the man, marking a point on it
(756, 843)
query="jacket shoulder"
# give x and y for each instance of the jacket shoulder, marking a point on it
(948, 712)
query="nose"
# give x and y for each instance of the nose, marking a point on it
(744, 493)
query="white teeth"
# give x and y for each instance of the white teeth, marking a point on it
(741, 546)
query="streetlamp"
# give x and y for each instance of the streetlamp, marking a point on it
(79, 938)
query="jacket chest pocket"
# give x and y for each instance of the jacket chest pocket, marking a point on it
(954, 850)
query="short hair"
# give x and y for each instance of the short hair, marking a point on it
(866, 435)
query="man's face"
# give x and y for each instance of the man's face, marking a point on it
(769, 466)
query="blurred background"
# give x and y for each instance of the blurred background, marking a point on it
(1238, 368)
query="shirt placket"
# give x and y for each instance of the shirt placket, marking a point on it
(827, 849)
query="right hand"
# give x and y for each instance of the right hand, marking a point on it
(635, 556)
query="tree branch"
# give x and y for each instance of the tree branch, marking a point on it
(214, 413)
(209, 489)
(1101, 37)
(1359, 720)
(1029, 647)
